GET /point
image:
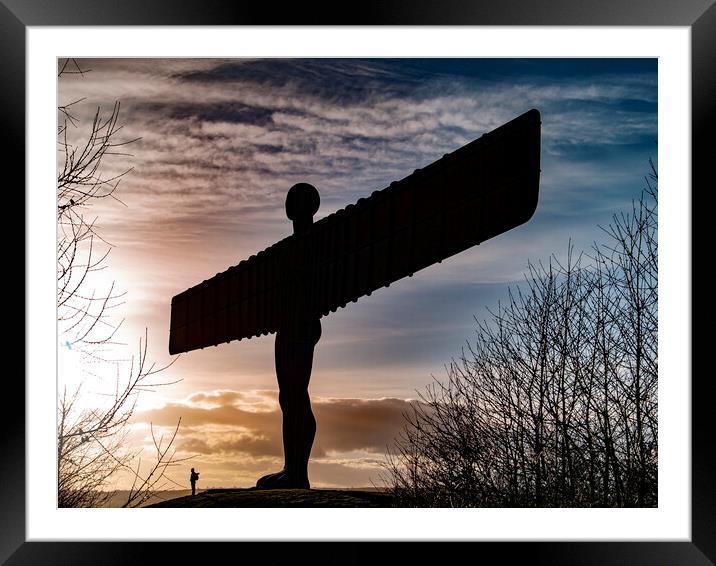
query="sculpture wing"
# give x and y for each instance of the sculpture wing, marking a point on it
(483, 189)
(241, 302)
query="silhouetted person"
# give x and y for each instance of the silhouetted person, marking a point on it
(192, 479)
(296, 338)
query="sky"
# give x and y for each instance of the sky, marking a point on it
(221, 142)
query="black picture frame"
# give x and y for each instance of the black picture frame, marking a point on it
(699, 15)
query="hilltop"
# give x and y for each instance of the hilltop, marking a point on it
(252, 497)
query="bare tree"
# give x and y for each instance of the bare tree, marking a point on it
(630, 263)
(80, 249)
(555, 401)
(92, 443)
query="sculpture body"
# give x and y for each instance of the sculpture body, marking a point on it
(482, 189)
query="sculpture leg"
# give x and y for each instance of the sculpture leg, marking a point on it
(299, 424)
(294, 361)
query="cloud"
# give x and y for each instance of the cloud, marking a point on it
(240, 431)
(343, 81)
(250, 423)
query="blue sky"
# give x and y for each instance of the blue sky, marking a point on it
(223, 140)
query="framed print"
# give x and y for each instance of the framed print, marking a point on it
(340, 62)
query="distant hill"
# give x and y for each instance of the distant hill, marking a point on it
(252, 497)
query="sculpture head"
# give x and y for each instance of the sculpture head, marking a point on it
(302, 202)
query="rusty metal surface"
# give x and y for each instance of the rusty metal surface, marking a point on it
(483, 189)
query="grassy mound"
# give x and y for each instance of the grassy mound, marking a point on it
(253, 497)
